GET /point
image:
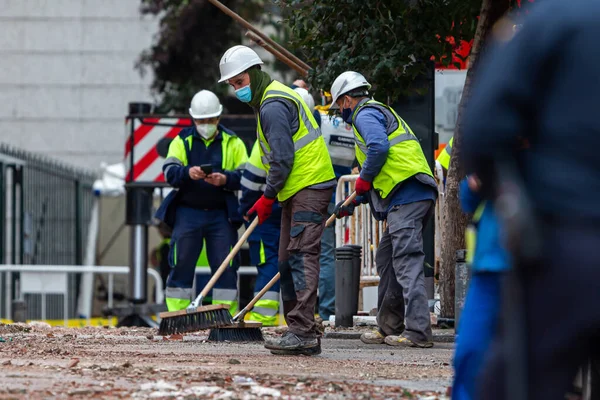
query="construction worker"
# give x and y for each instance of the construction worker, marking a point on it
(205, 207)
(300, 176)
(264, 240)
(397, 181)
(340, 143)
(444, 157)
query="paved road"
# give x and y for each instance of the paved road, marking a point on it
(126, 363)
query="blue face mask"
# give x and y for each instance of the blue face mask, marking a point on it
(244, 94)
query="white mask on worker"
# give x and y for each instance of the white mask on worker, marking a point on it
(206, 130)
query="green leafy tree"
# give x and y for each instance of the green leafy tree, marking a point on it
(391, 42)
(192, 37)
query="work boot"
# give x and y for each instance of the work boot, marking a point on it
(406, 342)
(373, 337)
(294, 345)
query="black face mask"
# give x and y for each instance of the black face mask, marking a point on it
(347, 115)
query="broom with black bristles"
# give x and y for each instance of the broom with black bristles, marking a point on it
(197, 317)
(242, 331)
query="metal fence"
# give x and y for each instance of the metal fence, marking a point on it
(361, 228)
(46, 206)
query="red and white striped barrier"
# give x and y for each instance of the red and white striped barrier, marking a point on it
(141, 157)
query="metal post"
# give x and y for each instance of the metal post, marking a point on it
(13, 205)
(78, 219)
(2, 214)
(66, 306)
(138, 262)
(2, 226)
(138, 217)
(110, 290)
(44, 304)
(21, 216)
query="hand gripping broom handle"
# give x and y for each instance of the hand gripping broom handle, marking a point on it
(269, 285)
(224, 264)
(346, 202)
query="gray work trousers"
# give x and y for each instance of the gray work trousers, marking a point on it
(400, 260)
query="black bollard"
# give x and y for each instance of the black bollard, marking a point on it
(356, 272)
(343, 287)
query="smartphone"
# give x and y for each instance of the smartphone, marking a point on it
(206, 168)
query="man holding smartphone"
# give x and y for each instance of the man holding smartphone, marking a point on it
(205, 163)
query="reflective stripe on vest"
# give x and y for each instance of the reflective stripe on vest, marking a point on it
(313, 133)
(255, 170)
(398, 139)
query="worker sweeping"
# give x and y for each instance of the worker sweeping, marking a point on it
(205, 164)
(339, 138)
(300, 176)
(264, 240)
(397, 182)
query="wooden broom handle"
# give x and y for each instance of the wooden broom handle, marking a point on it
(228, 259)
(262, 292)
(273, 280)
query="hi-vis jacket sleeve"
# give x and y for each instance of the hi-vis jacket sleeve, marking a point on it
(239, 157)
(175, 168)
(253, 182)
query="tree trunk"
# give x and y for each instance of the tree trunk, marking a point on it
(455, 221)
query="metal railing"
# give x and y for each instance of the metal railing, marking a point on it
(73, 269)
(45, 207)
(361, 228)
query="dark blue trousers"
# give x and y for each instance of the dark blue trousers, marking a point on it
(192, 227)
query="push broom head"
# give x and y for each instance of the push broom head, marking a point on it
(239, 332)
(206, 317)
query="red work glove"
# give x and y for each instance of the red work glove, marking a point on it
(262, 208)
(362, 186)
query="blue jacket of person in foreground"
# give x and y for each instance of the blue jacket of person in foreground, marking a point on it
(489, 254)
(478, 323)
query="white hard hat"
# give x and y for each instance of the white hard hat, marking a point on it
(236, 60)
(308, 99)
(346, 82)
(205, 104)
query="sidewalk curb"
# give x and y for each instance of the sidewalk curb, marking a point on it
(437, 338)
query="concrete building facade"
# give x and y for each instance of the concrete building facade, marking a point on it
(67, 74)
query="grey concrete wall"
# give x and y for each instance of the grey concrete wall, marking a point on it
(67, 74)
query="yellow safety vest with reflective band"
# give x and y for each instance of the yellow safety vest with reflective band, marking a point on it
(233, 151)
(405, 157)
(312, 163)
(444, 156)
